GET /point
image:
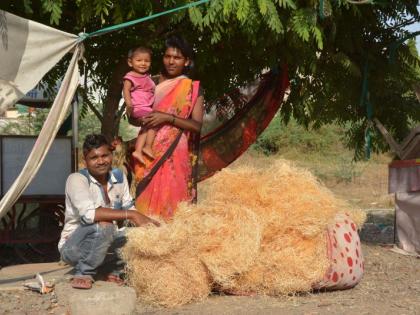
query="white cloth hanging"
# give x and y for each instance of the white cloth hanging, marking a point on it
(28, 50)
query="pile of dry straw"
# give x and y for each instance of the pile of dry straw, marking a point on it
(256, 229)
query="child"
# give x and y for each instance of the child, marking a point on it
(139, 95)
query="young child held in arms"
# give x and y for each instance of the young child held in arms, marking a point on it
(139, 95)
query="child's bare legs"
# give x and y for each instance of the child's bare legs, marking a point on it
(147, 147)
(141, 140)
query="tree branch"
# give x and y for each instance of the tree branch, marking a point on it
(87, 100)
(94, 109)
(406, 23)
(120, 111)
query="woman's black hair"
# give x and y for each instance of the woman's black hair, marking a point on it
(94, 141)
(178, 42)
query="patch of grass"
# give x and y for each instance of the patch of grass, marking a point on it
(363, 183)
(278, 138)
(321, 150)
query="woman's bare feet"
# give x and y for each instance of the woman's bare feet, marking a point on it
(148, 152)
(139, 156)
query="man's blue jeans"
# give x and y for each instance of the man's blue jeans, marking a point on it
(88, 246)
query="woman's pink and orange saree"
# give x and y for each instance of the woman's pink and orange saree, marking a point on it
(173, 181)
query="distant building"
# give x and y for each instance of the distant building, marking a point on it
(36, 98)
(33, 99)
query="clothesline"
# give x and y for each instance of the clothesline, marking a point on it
(113, 28)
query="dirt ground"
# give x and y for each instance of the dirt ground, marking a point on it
(391, 285)
(368, 186)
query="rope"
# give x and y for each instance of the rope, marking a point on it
(394, 46)
(113, 28)
(322, 5)
(361, 1)
(365, 84)
(321, 9)
(365, 101)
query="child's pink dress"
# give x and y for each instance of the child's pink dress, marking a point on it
(142, 94)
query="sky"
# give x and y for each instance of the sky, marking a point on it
(413, 28)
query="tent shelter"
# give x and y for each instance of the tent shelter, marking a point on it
(404, 182)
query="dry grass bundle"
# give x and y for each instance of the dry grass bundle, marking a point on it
(169, 280)
(286, 264)
(291, 193)
(295, 210)
(227, 237)
(150, 241)
(257, 228)
(357, 215)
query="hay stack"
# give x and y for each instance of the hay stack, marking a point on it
(257, 228)
(286, 264)
(170, 280)
(152, 242)
(218, 243)
(293, 209)
(227, 237)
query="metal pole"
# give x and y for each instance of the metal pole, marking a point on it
(395, 219)
(75, 133)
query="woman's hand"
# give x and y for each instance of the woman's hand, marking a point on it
(155, 119)
(192, 124)
(129, 110)
(138, 122)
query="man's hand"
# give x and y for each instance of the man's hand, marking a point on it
(139, 219)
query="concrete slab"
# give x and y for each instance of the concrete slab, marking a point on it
(104, 298)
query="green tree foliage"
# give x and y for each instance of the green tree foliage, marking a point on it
(325, 48)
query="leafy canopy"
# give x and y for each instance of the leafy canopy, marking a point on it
(326, 49)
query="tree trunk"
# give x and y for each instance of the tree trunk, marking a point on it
(111, 120)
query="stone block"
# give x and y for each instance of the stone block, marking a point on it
(103, 298)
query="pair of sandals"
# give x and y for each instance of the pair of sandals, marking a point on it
(85, 282)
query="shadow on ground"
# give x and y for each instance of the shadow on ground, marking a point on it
(379, 227)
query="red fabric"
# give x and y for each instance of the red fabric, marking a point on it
(222, 146)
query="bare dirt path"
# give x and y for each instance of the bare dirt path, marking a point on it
(391, 285)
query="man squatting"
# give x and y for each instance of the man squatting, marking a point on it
(96, 198)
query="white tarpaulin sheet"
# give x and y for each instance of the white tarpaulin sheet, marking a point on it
(404, 181)
(407, 207)
(28, 50)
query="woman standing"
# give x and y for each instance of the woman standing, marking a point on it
(177, 116)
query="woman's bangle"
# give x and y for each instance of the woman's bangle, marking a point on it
(173, 119)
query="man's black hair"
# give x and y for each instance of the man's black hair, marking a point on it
(94, 141)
